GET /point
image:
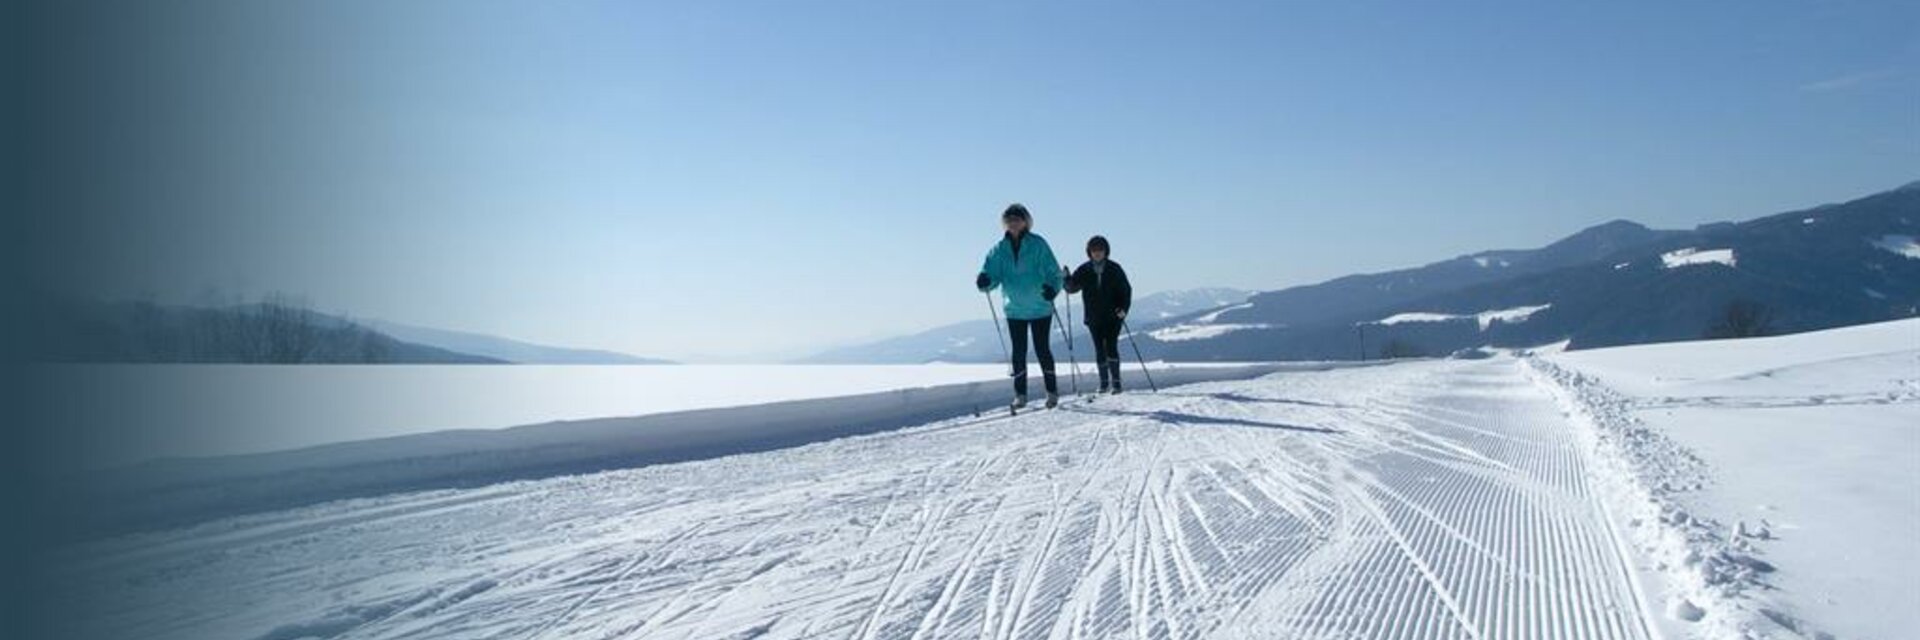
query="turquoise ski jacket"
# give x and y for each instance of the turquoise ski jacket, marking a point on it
(1020, 275)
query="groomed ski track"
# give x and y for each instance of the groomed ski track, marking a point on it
(1419, 500)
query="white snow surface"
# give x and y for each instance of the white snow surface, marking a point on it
(1206, 326)
(1694, 257)
(1778, 475)
(141, 412)
(1904, 245)
(1484, 318)
(1190, 331)
(1760, 488)
(1436, 499)
(1214, 316)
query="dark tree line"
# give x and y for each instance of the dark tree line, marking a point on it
(1742, 319)
(277, 329)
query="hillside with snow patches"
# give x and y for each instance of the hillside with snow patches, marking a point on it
(1736, 489)
(1614, 284)
(978, 341)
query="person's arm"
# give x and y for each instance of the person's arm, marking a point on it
(1077, 281)
(1122, 291)
(1052, 266)
(991, 272)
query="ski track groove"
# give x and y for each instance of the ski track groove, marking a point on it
(1449, 501)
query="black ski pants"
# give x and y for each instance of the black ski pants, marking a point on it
(1021, 329)
(1106, 351)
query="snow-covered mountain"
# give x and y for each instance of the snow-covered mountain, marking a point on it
(1614, 284)
(977, 341)
(507, 349)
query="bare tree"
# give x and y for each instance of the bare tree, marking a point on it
(1742, 319)
(286, 330)
(1397, 348)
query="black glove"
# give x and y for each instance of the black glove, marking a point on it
(982, 282)
(1047, 291)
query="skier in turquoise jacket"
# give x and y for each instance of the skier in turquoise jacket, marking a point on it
(1022, 266)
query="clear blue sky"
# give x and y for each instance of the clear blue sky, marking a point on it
(697, 179)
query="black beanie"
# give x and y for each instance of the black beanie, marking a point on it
(1100, 243)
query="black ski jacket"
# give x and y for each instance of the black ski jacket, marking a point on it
(1103, 294)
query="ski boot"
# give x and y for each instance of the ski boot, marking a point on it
(1019, 402)
(1053, 399)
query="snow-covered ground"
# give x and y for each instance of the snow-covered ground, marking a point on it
(159, 411)
(1904, 245)
(1693, 257)
(1206, 326)
(1422, 500)
(1486, 319)
(1580, 495)
(1196, 331)
(173, 492)
(1809, 448)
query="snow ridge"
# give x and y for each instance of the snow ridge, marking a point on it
(1711, 572)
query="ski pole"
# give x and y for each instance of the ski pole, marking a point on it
(1137, 356)
(1066, 331)
(999, 331)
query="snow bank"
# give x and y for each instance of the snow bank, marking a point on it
(1693, 257)
(1638, 472)
(1484, 318)
(179, 491)
(1739, 455)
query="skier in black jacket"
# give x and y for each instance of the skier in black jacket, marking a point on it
(1107, 296)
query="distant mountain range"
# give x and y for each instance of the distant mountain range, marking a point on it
(74, 330)
(1617, 283)
(505, 349)
(1612, 284)
(77, 330)
(977, 340)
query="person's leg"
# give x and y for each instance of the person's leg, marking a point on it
(1099, 352)
(1018, 328)
(1098, 334)
(1043, 347)
(1112, 339)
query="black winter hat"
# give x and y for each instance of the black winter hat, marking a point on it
(1017, 210)
(1100, 243)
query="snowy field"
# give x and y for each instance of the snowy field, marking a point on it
(1810, 447)
(1499, 498)
(178, 491)
(205, 410)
